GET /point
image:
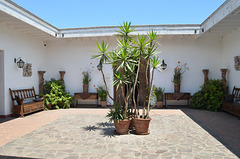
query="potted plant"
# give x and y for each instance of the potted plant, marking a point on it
(86, 80)
(158, 93)
(177, 76)
(126, 61)
(121, 122)
(102, 93)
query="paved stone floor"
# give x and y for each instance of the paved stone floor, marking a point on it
(85, 133)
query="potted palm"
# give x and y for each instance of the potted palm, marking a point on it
(86, 80)
(158, 93)
(126, 61)
(102, 93)
(121, 122)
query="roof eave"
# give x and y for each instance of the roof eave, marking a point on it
(22, 14)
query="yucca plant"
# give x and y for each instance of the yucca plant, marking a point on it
(126, 62)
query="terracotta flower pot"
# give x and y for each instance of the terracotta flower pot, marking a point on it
(85, 88)
(49, 106)
(159, 104)
(103, 104)
(132, 126)
(141, 126)
(176, 88)
(122, 126)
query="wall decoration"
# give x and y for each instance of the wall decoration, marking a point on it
(27, 70)
(237, 63)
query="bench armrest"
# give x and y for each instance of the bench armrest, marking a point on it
(228, 98)
(37, 95)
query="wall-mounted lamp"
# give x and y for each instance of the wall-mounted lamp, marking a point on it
(99, 66)
(44, 43)
(20, 63)
(163, 65)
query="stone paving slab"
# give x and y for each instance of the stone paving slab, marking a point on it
(17, 127)
(88, 135)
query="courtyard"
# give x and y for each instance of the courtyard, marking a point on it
(85, 133)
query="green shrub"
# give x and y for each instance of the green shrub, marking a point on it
(86, 78)
(209, 97)
(158, 93)
(117, 113)
(102, 93)
(57, 95)
(48, 87)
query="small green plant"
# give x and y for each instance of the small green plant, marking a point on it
(102, 93)
(178, 72)
(57, 97)
(158, 93)
(118, 113)
(209, 97)
(86, 78)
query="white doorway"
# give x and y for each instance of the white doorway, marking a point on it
(2, 87)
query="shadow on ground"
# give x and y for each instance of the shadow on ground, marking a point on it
(2, 120)
(14, 157)
(222, 126)
(107, 129)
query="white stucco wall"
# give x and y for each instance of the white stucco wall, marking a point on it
(2, 86)
(199, 54)
(74, 57)
(16, 44)
(231, 48)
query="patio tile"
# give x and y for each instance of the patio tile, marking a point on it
(83, 133)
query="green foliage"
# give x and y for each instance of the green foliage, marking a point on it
(47, 85)
(210, 97)
(86, 78)
(102, 93)
(178, 72)
(158, 93)
(58, 97)
(117, 113)
(126, 61)
(177, 77)
(103, 54)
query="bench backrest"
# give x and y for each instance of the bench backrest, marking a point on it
(236, 92)
(23, 93)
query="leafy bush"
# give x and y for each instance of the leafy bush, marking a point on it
(210, 97)
(102, 93)
(57, 95)
(117, 113)
(86, 78)
(158, 93)
(48, 87)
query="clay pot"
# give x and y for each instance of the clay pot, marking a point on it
(132, 126)
(103, 104)
(160, 104)
(141, 126)
(85, 88)
(122, 126)
(176, 88)
(49, 106)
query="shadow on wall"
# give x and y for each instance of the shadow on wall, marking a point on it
(222, 126)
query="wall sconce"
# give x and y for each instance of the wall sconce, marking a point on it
(99, 66)
(163, 65)
(20, 63)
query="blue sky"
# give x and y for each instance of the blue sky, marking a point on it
(87, 13)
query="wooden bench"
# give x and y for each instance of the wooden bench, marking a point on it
(25, 101)
(230, 103)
